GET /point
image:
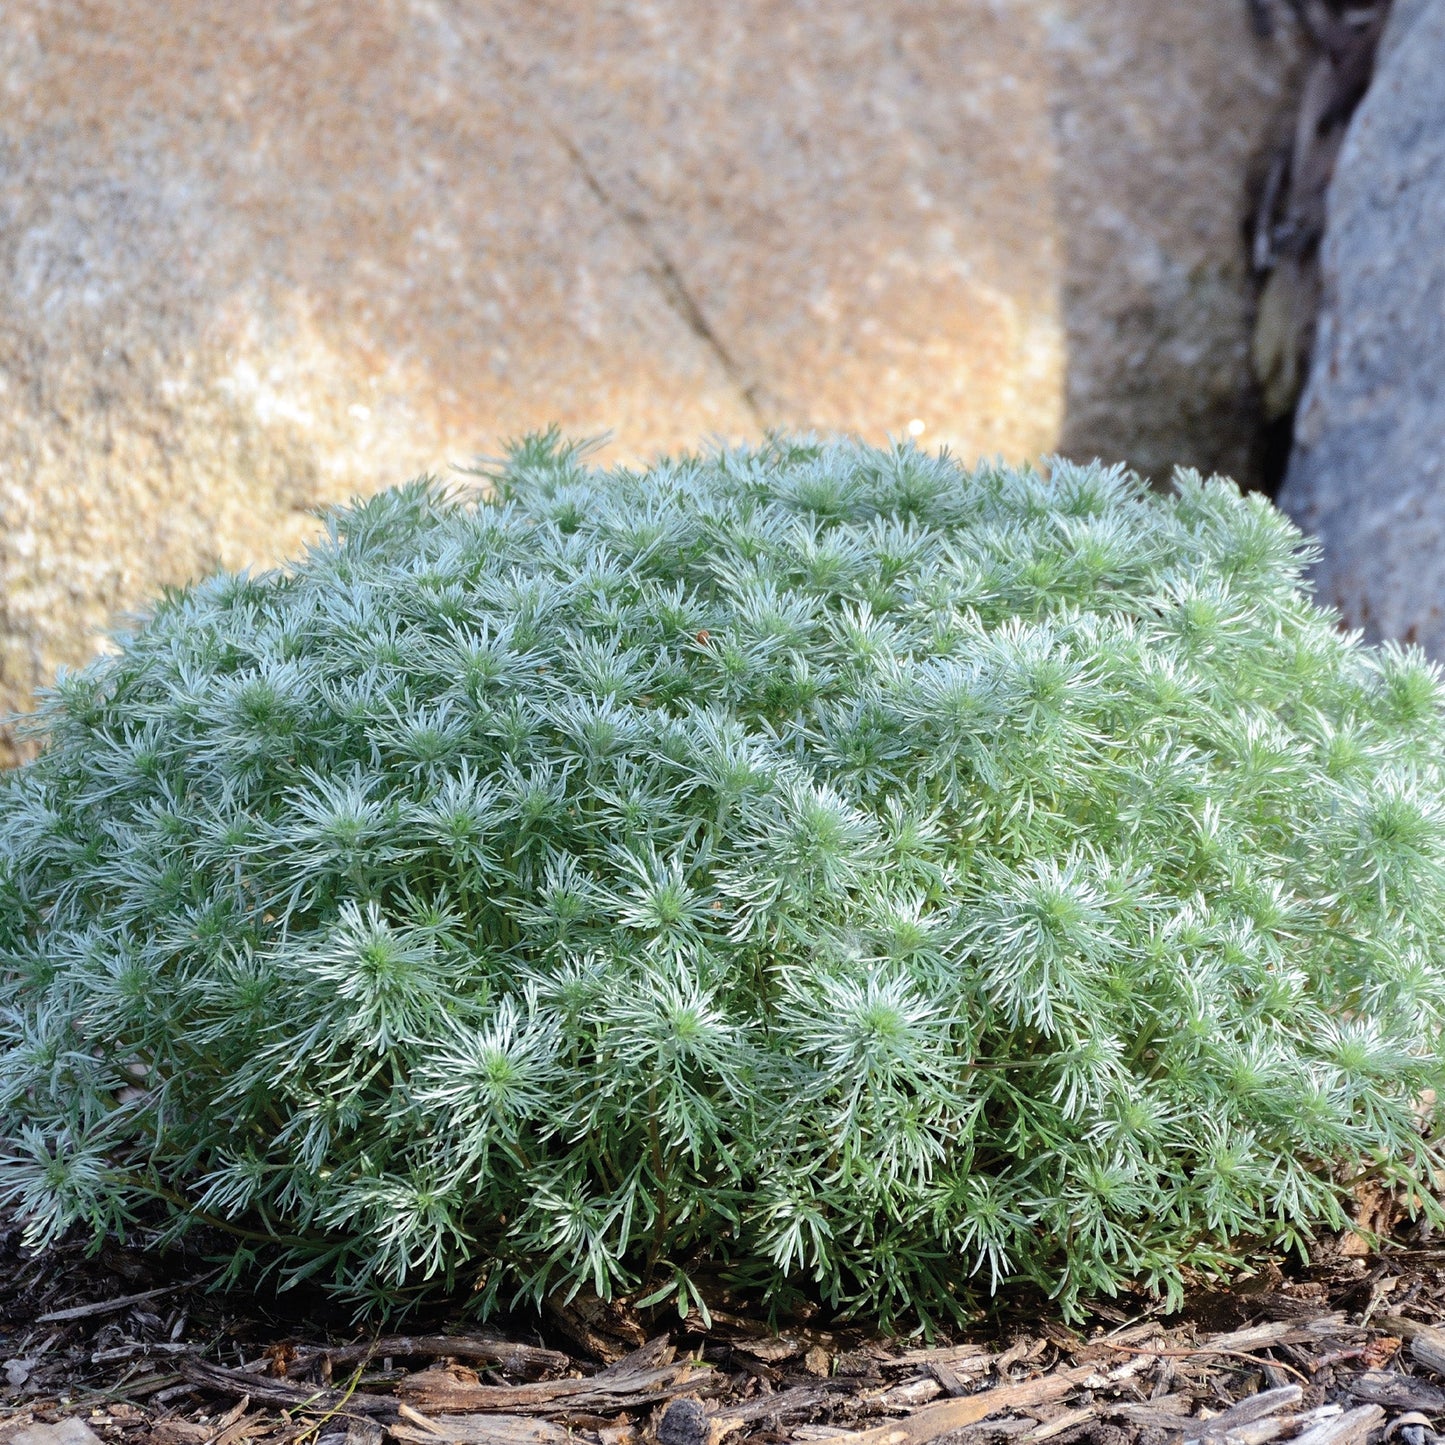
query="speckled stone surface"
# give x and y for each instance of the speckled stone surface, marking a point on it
(256, 258)
(1367, 476)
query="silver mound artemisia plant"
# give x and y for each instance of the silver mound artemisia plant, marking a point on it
(821, 868)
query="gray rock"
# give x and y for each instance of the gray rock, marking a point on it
(1403, 15)
(69, 1431)
(1368, 472)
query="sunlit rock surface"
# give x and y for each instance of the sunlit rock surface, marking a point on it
(256, 258)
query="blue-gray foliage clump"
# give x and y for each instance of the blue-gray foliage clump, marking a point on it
(819, 868)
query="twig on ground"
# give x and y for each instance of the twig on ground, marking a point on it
(111, 1306)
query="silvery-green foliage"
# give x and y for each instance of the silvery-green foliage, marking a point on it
(821, 866)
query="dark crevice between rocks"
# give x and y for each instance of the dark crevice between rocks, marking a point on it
(663, 272)
(1288, 220)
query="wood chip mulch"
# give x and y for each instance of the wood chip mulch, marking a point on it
(129, 1349)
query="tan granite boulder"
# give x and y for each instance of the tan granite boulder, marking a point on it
(257, 257)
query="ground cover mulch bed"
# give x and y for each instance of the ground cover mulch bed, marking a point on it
(129, 1348)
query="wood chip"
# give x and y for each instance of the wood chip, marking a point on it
(1258, 1432)
(124, 1302)
(1060, 1423)
(1251, 1408)
(233, 1414)
(530, 1361)
(600, 1328)
(770, 1351)
(950, 1379)
(284, 1392)
(362, 1431)
(1153, 1415)
(245, 1428)
(1100, 1346)
(415, 1417)
(948, 1415)
(965, 1359)
(1427, 1343)
(1345, 1429)
(784, 1406)
(1247, 1343)
(485, 1430)
(818, 1361)
(880, 1435)
(138, 1350)
(647, 1376)
(911, 1393)
(1397, 1392)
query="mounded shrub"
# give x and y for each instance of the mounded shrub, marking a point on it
(823, 868)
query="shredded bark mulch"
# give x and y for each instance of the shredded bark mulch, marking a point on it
(130, 1347)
